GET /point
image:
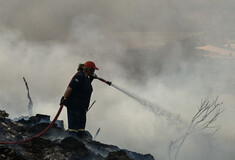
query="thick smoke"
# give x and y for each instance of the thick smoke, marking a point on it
(145, 46)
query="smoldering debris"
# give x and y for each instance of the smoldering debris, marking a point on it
(57, 143)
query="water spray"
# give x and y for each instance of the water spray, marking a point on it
(156, 109)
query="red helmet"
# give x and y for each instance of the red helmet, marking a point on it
(90, 64)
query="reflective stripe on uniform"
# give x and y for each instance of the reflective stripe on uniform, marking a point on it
(76, 130)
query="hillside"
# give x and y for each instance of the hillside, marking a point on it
(56, 144)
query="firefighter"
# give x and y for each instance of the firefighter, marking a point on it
(77, 97)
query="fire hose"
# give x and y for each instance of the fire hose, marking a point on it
(51, 124)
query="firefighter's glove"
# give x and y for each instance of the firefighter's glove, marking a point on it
(94, 76)
(62, 101)
(109, 83)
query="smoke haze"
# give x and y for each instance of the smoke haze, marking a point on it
(145, 46)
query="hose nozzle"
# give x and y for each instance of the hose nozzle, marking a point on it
(109, 83)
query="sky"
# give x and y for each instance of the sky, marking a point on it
(148, 47)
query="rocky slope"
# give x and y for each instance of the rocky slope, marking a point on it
(56, 144)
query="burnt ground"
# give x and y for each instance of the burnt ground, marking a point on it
(56, 144)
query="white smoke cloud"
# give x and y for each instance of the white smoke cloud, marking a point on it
(143, 46)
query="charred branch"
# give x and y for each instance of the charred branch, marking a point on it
(30, 105)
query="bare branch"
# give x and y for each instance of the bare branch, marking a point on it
(201, 120)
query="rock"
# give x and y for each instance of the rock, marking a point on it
(138, 156)
(9, 154)
(118, 155)
(55, 144)
(39, 118)
(72, 143)
(60, 123)
(3, 156)
(3, 115)
(56, 153)
(100, 148)
(2, 118)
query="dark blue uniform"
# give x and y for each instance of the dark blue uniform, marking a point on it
(78, 101)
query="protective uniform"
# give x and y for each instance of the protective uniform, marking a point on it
(78, 101)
